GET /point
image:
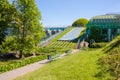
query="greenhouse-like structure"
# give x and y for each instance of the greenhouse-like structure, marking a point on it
(109, 25)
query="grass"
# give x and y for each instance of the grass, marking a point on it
(79, 66)
(62, 44)
(111, 62)
(115, 43)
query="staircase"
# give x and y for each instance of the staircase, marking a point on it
(81, 42)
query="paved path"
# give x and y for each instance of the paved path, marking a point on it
(10, 75)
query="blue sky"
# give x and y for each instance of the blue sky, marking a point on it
(65, 12)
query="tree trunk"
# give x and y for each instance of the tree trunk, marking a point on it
(21, 55)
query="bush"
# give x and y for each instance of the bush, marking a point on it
(115, 43)
(10, 65)
(82, 22)
(98, 45)
(110, 63)
(95, 33)
(12, 44)
(52, 50)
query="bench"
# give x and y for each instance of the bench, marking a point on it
(54, 57)
(68, 52)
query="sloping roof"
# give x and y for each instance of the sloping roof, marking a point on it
(107, 16)
(108, 20)
(72, 35)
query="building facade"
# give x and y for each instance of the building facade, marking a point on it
(109, 25)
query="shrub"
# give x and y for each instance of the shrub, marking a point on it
(95, 33)
(110, 63)
(10, 65)
(80, 22)
(98, 45)
(115, 43)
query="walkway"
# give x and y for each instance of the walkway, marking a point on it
(10, 75)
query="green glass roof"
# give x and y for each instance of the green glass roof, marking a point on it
(108, 21)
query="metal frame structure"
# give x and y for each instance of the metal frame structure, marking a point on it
(109, 25)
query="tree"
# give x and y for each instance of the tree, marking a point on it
(6, 16)
(27, 30)
(82, 22)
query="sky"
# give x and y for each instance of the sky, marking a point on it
(65, 12)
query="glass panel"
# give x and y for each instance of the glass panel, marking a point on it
(114, 31)
(104, 31)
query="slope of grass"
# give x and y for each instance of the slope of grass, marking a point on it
(62, 44)
(111, 62)
(79, 66)
(115, 43)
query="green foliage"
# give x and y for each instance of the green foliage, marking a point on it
(82, 22)
(62, 44)
(115, 43)
(27, 30)
(11, 43)
(99, 45)
(47, 50)
(110, 63)
(95, 33)
(6, 17)
(10, 65)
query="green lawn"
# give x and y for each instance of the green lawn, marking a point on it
(62, 44)
(79, 66)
